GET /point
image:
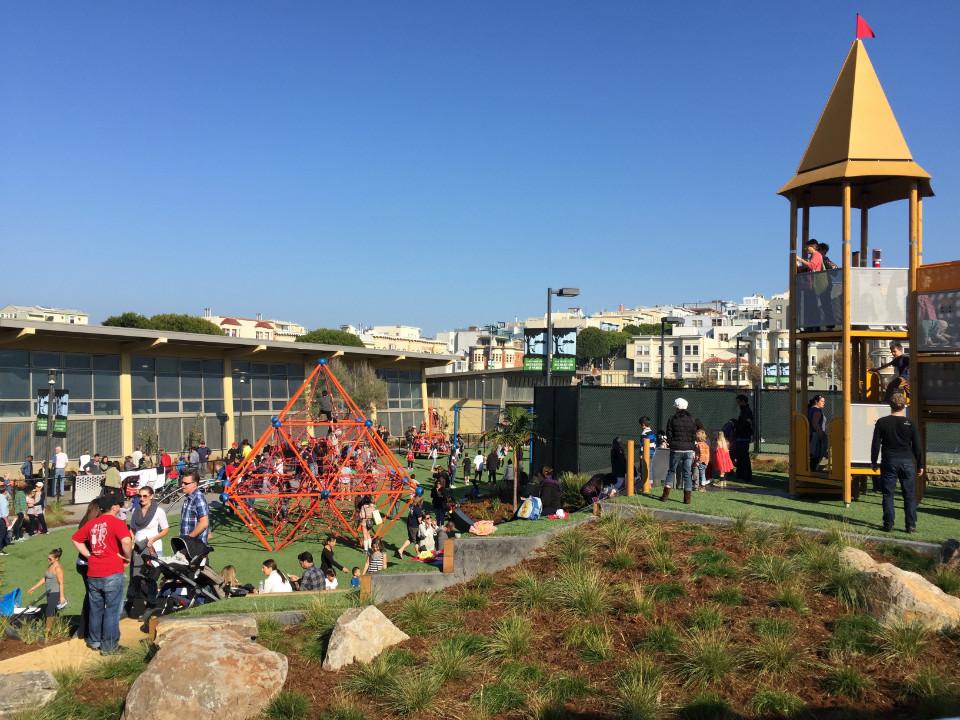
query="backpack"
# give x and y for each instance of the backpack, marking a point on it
(530, 510)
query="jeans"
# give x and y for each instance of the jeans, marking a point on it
(702, 474)
(677, 457)
(106, 602)
(744, 470)
(904, 471)
(56, 487)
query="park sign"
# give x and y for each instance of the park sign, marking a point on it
(564, 351)
(60, 412)
(774, 374)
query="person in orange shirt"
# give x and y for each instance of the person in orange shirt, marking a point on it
(701, 458)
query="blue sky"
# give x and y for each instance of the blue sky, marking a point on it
(437, 163)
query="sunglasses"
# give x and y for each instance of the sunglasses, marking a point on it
(145, 495)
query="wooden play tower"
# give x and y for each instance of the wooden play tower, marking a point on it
(858, 159)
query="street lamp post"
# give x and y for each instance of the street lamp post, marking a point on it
(663, 361)
(51, 411)
(243, 381)
(562, 292)
(738, 361)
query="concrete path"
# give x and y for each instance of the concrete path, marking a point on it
(72, 653)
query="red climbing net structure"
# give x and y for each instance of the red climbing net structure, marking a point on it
(306, 474)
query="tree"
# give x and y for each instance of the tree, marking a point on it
(129, 320)
(326, 336)
(647, 329)
(515, 429)
(172, 322)
(592, 343)
(704, 380)
(361, 383)
(754, 373)
(618, 346)
(831, 366)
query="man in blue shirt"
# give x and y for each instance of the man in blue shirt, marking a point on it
(195, 514)
(203, 452)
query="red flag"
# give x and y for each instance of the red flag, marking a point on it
(863, 30)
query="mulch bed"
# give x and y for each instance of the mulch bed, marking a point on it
(11, 647)
(551, 652)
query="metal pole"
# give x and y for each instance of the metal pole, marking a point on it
(51, 405)
(738, 361)
(663, 360)
(240, 434)
(549, 335)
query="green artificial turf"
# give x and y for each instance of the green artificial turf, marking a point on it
(936, 516)
(275, 603)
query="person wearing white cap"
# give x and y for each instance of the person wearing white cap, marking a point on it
(682, 438)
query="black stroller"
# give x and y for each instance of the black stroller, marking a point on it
(187, 579)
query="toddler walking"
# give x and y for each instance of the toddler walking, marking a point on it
(721, 458)
(701, 458)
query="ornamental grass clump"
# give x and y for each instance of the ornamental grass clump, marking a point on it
(707, 657)
(583, 590)
(639, 686)
(510, 639)
(421, 612)
(776, 703)
(530, 592)
(847, 682)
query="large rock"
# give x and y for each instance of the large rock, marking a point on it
(949, 556)
(24, 690)
(360, 635)
(243, 625)
(206, 675)
(897, 597)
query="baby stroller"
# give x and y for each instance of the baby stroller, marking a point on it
(10, 608)
(188, 579)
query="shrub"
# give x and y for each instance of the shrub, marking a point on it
(372, 678)
(662, 637)
(638, 685)
(847, 682)
(343, 710)
(707, 657)
(774, 655)
(637, 602)
(56, 513)
(702, 538)
(731, 596)
(572, 547)
(518, 672)
(776, 702)
(451, 660)
(530, 592)
(561, 687)
(472, 601)
(948, 581)
(660, 558)
(705, 618)
(412, 690)
(583, 590)
(707, 706)
(510, 639)
(288, 705)
(618, 532)
(570, 484)
(815, 558)
(503, 696)
(772, 627)
(937, 697)
(741, 522)
(125, 666)
(620, 561)
(903, 642)
(664, 592)
(420, 613)
(482, 582)
(792, 599)
(853, 635)
(847, 585)
(593, 641)
(771, 568)
(713, 570)
(709, 556)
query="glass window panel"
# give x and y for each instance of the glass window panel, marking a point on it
(259, 388)
(192, 406)
(393, 391)
(16, 408)
(278, 387)
(46, 360)
(106, 407)
(143, 407)
(261, 404)
(278, 369)
(169, 407)
(405, 404)
(79, 408)
(240, 366)
(259, 368)
(293, 384)
(246, 405)
(79, 384)
(213, 367)
(106, 362)
(295, 371)
(142, 362)
(168, 387)
(79, 362)
(14, 358)
(168, 365)
(191, 366)
(213, 407)
(142, 384)
(15, 383)
(191, 386)
(417, 403)
(213, 386)
(106, 385)
(279, 404)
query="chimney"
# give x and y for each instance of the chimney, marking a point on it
(206, 312)
(259, 317)
(621, 307)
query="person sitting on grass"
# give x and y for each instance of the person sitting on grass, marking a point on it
(330, 581)
(549, 492)
(276, 581)
(53, 581)
(312, 578)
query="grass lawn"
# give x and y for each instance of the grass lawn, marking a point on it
(937, 515)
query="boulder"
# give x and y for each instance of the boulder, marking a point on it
(898, 597)
(949, 556)
(24, 690)
(243, 625)
(204, 675)
(360, 635)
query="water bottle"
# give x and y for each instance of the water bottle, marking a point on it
(261, 587)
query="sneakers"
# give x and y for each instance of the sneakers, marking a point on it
(115, 651)
(911, 530)
(886, 528)
(3, 552)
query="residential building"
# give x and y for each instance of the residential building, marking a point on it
(36, 313)
(256, 328)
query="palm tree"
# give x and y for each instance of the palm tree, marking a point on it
(514, 430)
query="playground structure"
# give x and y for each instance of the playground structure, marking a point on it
(306, 472)
(858, 159)
(429, 435)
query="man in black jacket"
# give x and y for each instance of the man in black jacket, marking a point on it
(682, 439)
(902, 460)
(743, 434)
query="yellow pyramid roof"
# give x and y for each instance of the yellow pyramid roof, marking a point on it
(857, 138)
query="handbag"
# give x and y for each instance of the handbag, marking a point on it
(377, 517)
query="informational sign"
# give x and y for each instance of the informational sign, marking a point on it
(772, 375)
(534, 350)
(564, 350)
(60, 412)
